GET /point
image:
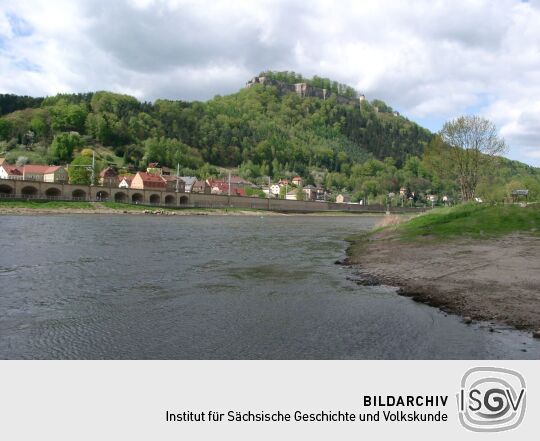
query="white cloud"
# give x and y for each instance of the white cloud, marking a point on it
(430, 60)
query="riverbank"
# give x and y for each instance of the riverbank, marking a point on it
(67, 207)
(480, 262)
(38, 207)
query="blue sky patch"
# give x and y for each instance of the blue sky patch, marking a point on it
(19, 26)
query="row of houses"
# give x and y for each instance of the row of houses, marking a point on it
(157, 177)
(31, 172)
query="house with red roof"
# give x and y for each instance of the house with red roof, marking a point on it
(108, 177)
(148, 181)
(174, 183)
(298, 181)
(10, 172)
(44, 173)
(125, 181)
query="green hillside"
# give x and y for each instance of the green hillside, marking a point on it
(366, 150)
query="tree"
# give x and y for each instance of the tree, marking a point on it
(80, 171)
(473, 140)
(63, 146)
(300, 194)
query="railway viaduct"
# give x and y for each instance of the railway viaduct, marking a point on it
(19, 189)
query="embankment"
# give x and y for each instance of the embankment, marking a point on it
(480, 262)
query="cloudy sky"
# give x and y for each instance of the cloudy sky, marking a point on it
(431, 60)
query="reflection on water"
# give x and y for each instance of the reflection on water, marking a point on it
(212, 287)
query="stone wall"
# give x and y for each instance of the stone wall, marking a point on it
(17, 189)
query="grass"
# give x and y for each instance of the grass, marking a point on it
(53, 205)
(474, 220)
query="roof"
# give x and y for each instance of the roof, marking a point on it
(296, 178)
(40, 169)
(2, 160)
(310, 187)
(128, 178)
(220, 185)
(199, 183)
(520, 192)
(189, 180)
(10, 169)
(108, 172)
(153, 165)
(151, 178)
(171, 178)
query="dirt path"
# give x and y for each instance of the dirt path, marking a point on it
(494, 279)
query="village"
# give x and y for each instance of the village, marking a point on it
(161, 178)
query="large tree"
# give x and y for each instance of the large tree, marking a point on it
(473, 141)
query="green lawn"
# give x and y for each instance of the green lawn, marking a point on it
(53, 205)
(475, 220)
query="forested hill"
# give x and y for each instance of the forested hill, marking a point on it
(277, 133)
(364, 148)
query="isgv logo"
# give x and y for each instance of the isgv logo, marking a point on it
(491, 399)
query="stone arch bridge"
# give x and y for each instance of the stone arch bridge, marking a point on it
(55, 191)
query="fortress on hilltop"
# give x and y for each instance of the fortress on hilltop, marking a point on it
(304, 90)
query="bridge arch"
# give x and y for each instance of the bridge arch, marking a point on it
(78, 194)
(120, 196)
(53, 193)
(184, 200)
(5, 190)
(155, 199)
(137, 198)
(29, 191)
(169, 199)
(102, 195)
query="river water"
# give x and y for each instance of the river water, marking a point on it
(205, 287)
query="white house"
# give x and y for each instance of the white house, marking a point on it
(9, 172)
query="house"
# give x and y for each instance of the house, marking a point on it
(174, 183)
(9, 171)
(166, 171)
(298, 181)
(148, 181)
(218, 187)
(311, 192)
(200, 187)
(154, 168)
(188, 181)
(403, 191)
(274, 189)
(238, 182)
(291, 195)
(44, 173)
(343, 198)
(108, 177)
(125, 181)
(283, 182)
(321, 194)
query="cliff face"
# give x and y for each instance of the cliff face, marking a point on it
(304, 90)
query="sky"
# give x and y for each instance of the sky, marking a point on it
(431, 60)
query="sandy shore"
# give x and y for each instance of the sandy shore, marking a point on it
(495, 279)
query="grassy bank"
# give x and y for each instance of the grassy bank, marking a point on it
(46, 205)
(473, 220)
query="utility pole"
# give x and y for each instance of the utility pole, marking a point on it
(177, 175)
(229, 184)
(93, 176)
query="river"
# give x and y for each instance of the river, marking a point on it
(213, 287)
